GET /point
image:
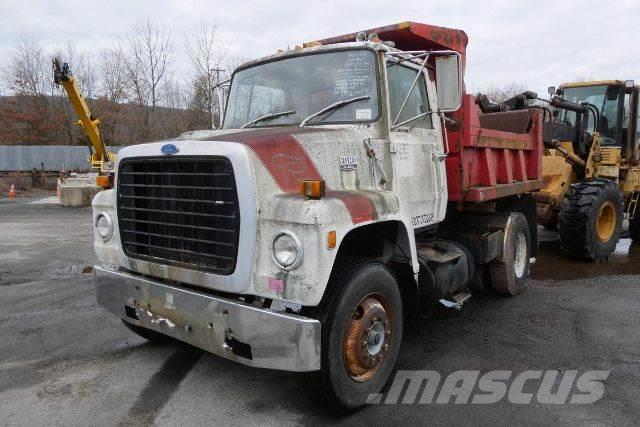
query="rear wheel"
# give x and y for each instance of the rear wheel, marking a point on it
(509, 274)
(591, 219)
(361, 319)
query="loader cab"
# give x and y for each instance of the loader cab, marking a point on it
(631, 124)
(617, 106)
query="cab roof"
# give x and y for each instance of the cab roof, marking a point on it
(595, 83)
(406, 36)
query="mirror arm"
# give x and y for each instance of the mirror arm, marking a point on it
(414, 118)
(444, 132)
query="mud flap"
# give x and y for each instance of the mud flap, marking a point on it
(238, 348)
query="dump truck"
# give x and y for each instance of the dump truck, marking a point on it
(353, 183)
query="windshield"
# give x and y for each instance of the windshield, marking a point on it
(606, 100)
(286, 91)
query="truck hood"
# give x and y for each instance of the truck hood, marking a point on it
(280, 151)
(293, 154)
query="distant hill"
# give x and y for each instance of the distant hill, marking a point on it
(49, 120)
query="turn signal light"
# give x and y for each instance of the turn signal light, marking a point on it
(331, 239)
(312, 189)
(104, 181)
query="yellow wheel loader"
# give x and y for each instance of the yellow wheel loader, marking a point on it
(591, 166)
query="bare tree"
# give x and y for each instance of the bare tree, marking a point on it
(173, 95)
(112, 71)
(504, 92)
(199, 102)
(129, 85)
(84, 71)
(29, 116)
(149, 59)
(207, 55)
(27, 70)
(234, 61)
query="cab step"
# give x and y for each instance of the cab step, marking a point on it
(456, 300)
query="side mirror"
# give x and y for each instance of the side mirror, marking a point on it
(551, 90)
(448, 82)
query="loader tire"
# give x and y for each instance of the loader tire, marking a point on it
(361, 320)
(148, 334)
(591, 218)
(509, 274)
(634, 228)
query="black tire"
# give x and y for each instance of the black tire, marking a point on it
(334, 386)
(509, 275)
(148, 334)
(580, 214)
(634, 227)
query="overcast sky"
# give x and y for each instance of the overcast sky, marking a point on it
(535, 43)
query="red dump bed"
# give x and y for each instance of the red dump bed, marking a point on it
(413, 36)
(490, 155)
(493, 155)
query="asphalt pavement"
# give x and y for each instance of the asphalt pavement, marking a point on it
(64, 360)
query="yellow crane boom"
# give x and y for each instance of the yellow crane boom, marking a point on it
(100, 159)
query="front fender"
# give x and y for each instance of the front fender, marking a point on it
(311, 221)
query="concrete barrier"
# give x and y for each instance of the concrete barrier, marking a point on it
(78, 192)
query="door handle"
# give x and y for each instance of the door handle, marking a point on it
(440, 156)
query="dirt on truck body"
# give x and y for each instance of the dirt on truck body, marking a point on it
(352, 183)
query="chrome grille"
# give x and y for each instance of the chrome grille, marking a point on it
(180, 211)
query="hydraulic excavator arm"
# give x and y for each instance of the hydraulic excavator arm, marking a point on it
(100, 159)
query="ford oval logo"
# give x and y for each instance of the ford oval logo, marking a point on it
(169, 149)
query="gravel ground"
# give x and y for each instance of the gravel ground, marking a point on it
(63, 360)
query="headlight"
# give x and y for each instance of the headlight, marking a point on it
(104, 226)
(287, 250)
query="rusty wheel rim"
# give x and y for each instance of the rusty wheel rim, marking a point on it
(367, 338)
(606, 221)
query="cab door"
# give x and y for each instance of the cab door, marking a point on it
(416, 147)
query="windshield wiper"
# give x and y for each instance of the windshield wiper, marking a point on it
(268, 116)
(332, 107)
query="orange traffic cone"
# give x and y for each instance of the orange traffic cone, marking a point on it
(12, 192)
(58, 188)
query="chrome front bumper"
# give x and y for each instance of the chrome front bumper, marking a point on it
(242, 332)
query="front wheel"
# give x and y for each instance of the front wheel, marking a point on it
(361, 319)
(591, 219)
